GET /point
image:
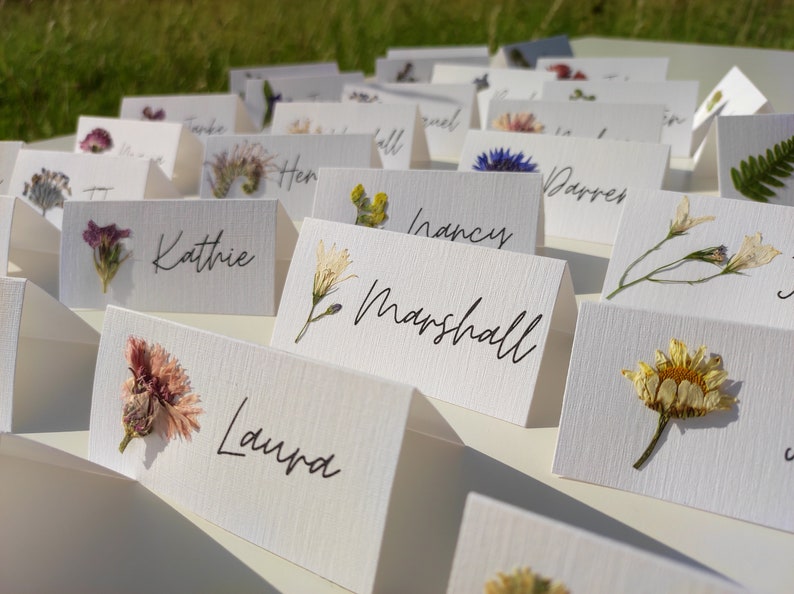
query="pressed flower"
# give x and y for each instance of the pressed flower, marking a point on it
(751, 254)
(328, 274)
(563, 71)
(362, 97)
(518, 122)
(502, 160)
(107, 246)
(369, 213)
(46, 189)
(250, 161)
(96, 141)
(683, 222)
(153, 115)
(303, 127)
(681, 385)
(712, 255)
(157, 397)
(524, 581)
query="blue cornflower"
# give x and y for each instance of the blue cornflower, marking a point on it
(502, 160)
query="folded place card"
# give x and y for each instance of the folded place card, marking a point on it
(755, 156)
(265, 444)
(498, 210)
(408, 69)
(399, 133)
(280, 166)
(48, 179)
(637, 122)
(238, 77)
(677, 96)
(196, 256)
(610, 69)
(173, 147)
(477, 327)
(204, 115)
(585, 180)
(29, 244)
(501, 546)
(526, 53)
(686, 253)
(439, 52)
(447, 111)
(8, 157)
(47, 363)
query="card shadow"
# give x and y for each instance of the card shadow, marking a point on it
(587, 272)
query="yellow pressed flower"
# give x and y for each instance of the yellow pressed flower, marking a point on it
(357, 194)
(751, 254)
(683, 222)
(682, 385)
(524, 581)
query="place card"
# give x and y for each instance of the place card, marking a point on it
(204, 115)
(196, 256)
(413, 69)
(498, 542)
(677, 96)
(29, 245)
(498, 210)
(610, 69)
(439, 52)
(479, 328)
(585, 180)
(711, 427)
(280, 166)
(48, 179)
(755, 154)
(173, 147)
(46, 364)
(525, 54)
(261, 95)
(238, 77)
(676, 252)
(637, 122)
(8, 157)
(264, 444)
(399, 133)
(447, 111)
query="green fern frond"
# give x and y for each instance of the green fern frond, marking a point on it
(757, 175)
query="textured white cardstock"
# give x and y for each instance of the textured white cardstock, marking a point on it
(498, 210)
(196, 256)
(48, 179)
(755, 156)
(587, 119)
(447, 111)
(399, 134)
(496, 538)
(758, 295)
(173, 147)
(285, 443)
(610, 69)
(47, 362)
(677, 96)
(204, 115)
(262, 94)
(280, 166)
(585, 180)
(408, 69)
(735, 462)
(525, 54)
(238, 77)
(477, 327)
(8, 157)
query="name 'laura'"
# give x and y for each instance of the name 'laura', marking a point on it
(204, 254)
(508, 342)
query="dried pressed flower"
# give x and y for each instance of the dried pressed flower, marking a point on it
(518, 122)
(150, 114)
(250, 161)
(524, 581)
(502, 160)
(563, 72)
(107, 246)
(96, 141)
(157, 397)
(303, 127)
(362, 97)
(751, 254)
(681, 385)
(683, 222)
(369, 213)
(328, 274)
(46, 189)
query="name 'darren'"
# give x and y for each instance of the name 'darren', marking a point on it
(508, 342)
(448, 231)
(558, 181)
(205, 254)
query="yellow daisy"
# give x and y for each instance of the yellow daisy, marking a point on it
(524, 581)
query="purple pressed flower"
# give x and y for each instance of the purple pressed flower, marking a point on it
(97, 141)
(106, 243)
(95, 235)
(150, 114)
(502, 160)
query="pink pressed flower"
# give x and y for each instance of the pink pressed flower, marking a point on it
(108, 236)
(150, 114)
(97, 141)
(563, 71)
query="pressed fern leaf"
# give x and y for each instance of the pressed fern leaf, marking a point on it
(757, 175)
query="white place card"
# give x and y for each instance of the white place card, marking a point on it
(497, 539)
(238, 77)
(587, 119)
(609, 69)
(204, 115)
(8, 157)
(498, 210)
(525, 54)
(281, 443)
(418, 69)
(261, 95)
(678, 253)
(439, 52)
(755, 156)
(399, 133)
(29, 245)
(477, 327)
(48, 179)
(585, 180)
(46, 364)
(734, 460)
(280, 166)
(447, 111)
(173, 147)
(677, 96)
(196, 256)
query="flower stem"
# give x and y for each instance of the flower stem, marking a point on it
(306, 325)
(663, 419)
(126, 441)
(622, 280)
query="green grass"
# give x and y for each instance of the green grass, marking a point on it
(61, 59)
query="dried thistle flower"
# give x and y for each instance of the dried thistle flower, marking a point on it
(518, 122)
(46, 189)
(303, 127)
(107, 246)
(524, 581)
(369, 213)
(501, 160)
(150, 114)
(157, 397)
(251, 161)
(96, 141)
(680, 386)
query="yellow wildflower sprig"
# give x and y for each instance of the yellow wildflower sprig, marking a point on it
(369, 213)
(524, 581)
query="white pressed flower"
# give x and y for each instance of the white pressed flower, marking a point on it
(683, 222)
(751, 254)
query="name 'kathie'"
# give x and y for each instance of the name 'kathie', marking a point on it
(204, 254)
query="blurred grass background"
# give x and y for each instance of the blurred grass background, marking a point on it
(61, 59)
